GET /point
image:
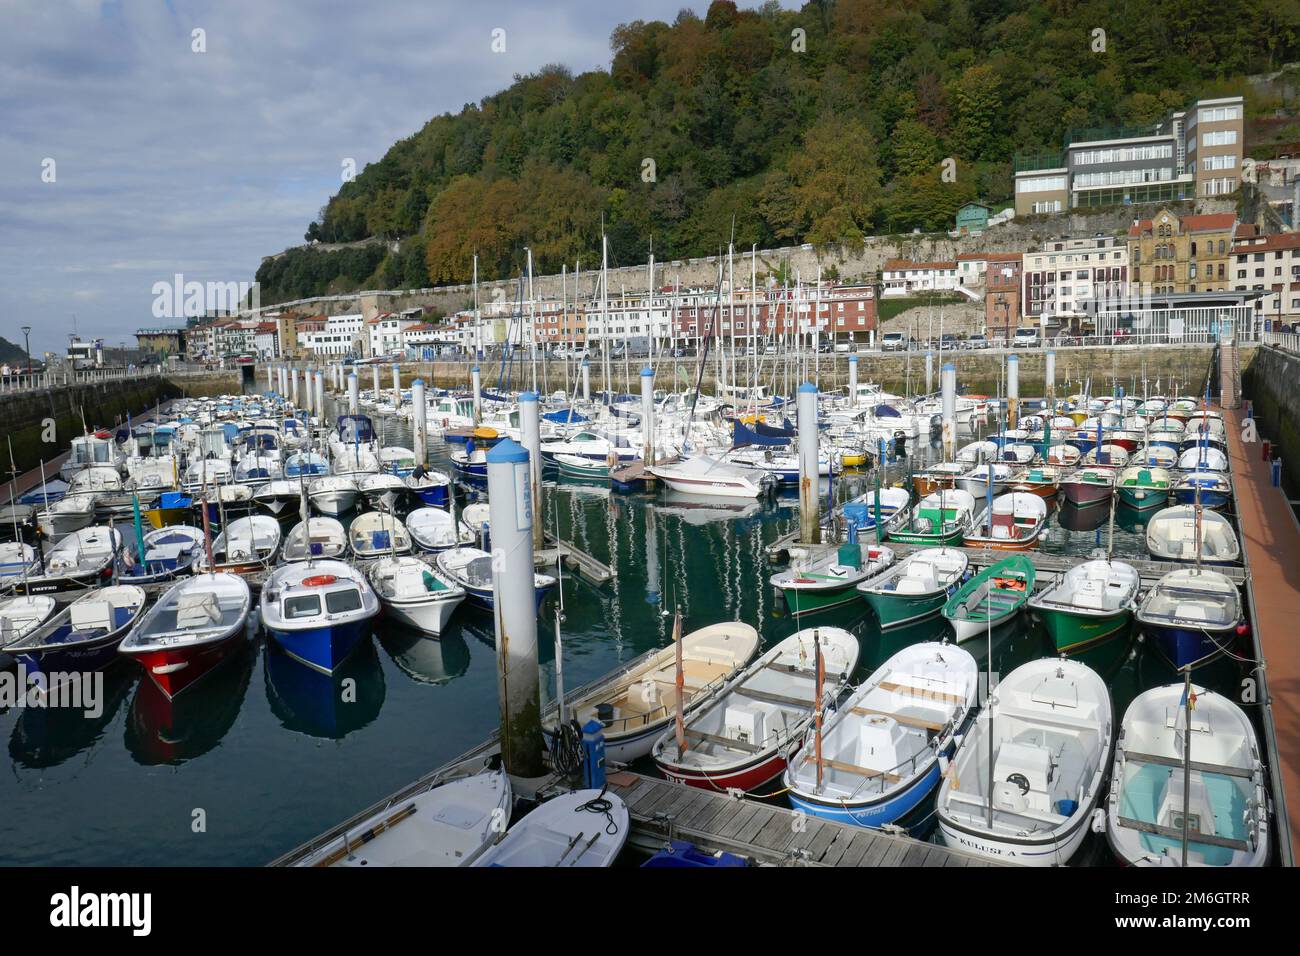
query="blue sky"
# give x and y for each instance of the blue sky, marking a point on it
(166, 160)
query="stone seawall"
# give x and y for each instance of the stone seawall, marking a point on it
(1272, 384)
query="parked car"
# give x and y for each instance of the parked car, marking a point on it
(949, 341)
(893, 342)
(977, 341)
(1025, 337)
(845, 347)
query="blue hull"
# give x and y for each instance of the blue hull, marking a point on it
(1189, 647)
(875, 813)
(322, 648)
(83, 659)
(435, 497)
(482, 597)
(471, 472)
(1210, 499)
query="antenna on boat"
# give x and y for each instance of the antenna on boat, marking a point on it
(817, 702)
(1187, 753)
(988, 706)
(680, 681)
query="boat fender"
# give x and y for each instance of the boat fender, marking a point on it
(1098, 824)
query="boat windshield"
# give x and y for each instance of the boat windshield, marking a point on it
(300, 606)
(337, 602)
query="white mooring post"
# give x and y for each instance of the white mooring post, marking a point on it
(270, 372)
(853, 380)
(948, 384)
(397, 386)
(530, 425)
(420, 418)
(476, 381)
(586, 380)
(510, 505)
(809, 500)
(647, 416)
(1013, 390)
(320, 396)
(374, 369)
(1049, 381)
(354, 394)
(929, 373)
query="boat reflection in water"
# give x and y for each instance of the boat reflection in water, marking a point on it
(423, 657)
(1074, 518)
(165, 730)
(325, 705)
(47, 736)
(704, 509)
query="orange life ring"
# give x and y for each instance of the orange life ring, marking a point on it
(318, 581)
(1009, 584)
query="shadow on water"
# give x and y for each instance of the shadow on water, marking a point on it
(324, 705)
(47, 736)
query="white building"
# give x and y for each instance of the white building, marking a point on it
(342, 335)
(903, 277)
(266, 340)
(384, 333)
(1066, 275)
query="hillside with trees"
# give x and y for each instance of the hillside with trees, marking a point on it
(774, 126)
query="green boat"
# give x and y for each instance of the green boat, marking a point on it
(575, 466)
(991, 598)
(1142, 487)
(1088, 604)
(830, 580)
(914, 589)
(942, 517)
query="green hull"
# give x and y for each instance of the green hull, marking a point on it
(595, 472)
(801, 601)
(1143, 498)
(928, 538)
(898, 610)
(1074, 632)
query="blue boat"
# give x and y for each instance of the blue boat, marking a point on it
(318, 611)
(470, 463)
(472, 570)
(1192, 616)
(679, 854)
(166, 553)
(432, 490)
(83, 637)
(1212, 486)
(881, 749)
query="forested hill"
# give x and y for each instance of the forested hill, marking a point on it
(817, 126)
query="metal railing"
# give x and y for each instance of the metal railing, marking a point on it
(21, 381)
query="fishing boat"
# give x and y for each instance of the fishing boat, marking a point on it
(991, 598)
(940, 476)
(194, 626)
(306, 464)
(1211, 488)
(433, 488)
(576, 466)
(940, 518)
(83, 637)
(449, 823)
(1108, 456)
(829, 580)
(1089, 603)
(1014, 523)
(560, 834)
(1143, 487)
(638, 704)
(1088, 487)
(1041, 480)
(878, 756)
(19, 616)
(1063, 456)
(276, 495)
(412, 592)
(68, 514)
(976, 481)
(318, 611)
(1191, 616)
(378, 534)
(893, 505)
(703, 475)
(469, 463)
(248, 545)
(1202, 459)
(382, 490)
(158, 554)
(15, 558)
(916, 588)
(433, 530)
(171, 508)
(1026, 777)
(1206, 786)
(1186, 533)
(744, 736)
(333, 494)
(317, 537)
(471, 569)
(83, 559)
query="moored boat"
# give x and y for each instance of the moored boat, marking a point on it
(471, 569)
(1089, 603)
(1143, 487)
(83, 637)
(318, 611)
(916, 588)
(1192, 616)
(1191, 534)
(559, 834)
(991, 598)
(829, 580)
(1014, 523)
(1088, 487)
(938, 519)
(412, 592)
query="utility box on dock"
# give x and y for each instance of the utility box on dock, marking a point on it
(593, 756)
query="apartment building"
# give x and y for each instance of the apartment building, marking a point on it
(266, 340)
(1172, 253)
(1191, 153)
(1002, 302)
(900, 277)
(1067, 276)
(1271, 265)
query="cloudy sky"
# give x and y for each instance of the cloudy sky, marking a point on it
(166, 160)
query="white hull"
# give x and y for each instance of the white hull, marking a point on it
(431, 617)
(333, 503)
(1046, 852)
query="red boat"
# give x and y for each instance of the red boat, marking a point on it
(192, 628)
(742, 739)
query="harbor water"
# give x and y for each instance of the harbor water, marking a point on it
(265, 753)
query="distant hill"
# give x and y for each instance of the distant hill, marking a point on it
(11, 353)
(774, 126)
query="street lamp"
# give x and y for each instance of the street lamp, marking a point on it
(27, 343)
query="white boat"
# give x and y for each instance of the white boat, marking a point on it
(744, 736)
(1050, 723)
(828, 580)
(87, 451)
(1014, 523)
(412, 592)
(1203, 458)
(1173, 535)
(586, 828)
(278, 494)
(1191, 615)
(317, 537)
(333, 494)
(70, 513)
(248, 544)
(880, 751)
(703, 475)
(1088, 603)
(916, 588)
(1220, 800)
(258, 467)
(636, 705)
(450, 823)
(382, 489)
(378, 534)
(434, 529)
(82, 559)
(20, 616)
(15, 558)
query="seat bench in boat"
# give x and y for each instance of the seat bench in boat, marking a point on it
(852, 768)
(1193, 836)
(772, 698)
(730, 743)
(1195, 765)
(904, 719)
(915, 691)
(982, 804)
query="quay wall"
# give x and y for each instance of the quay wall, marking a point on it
(1272, 384)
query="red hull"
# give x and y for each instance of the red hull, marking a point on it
(747, 779)
(177, 668)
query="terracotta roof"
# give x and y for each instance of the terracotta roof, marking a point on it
(1283, 240)
(1210, 222)
(1245, 230)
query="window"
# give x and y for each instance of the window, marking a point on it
(1223, 137)
(1046, 207)
(1218, 114)
(300, 606)
(1226, 161)
(1040, 184)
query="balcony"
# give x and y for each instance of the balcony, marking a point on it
(1029, 162)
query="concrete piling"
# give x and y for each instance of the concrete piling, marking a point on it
(320, 396)
(477, 382)
(530, 426)
(809, 501)
(948, 384)
(853, 379)
(1013, 390)
(648, 416)
(510, 504)
(397, 386)
(929, 373)
(419, 417)
(354, 394)
(1049, 375)
(374, 374)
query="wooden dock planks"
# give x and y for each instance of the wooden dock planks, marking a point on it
(764, 831)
